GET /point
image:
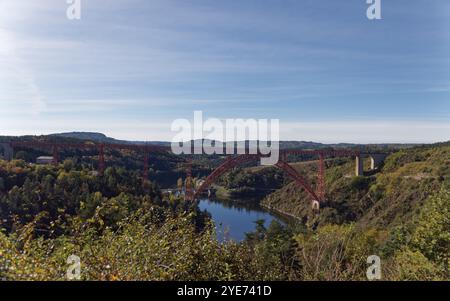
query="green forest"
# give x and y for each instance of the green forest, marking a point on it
(122, 229)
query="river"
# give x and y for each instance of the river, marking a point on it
(235, 218)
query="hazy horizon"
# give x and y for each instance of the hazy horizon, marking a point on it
(224, 141)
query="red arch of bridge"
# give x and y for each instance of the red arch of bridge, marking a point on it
(233, 162)
(230, 163)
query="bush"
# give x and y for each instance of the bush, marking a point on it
(360, 183)
(432, 235)
(336, 253)
(414, 266)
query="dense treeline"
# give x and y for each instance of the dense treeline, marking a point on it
(143, 248)
(388, 198)
(245, 182)
(57, 194)
(124, 230)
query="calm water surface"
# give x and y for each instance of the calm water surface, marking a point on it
(233, 220)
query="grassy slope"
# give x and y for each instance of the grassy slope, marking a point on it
(390, 197)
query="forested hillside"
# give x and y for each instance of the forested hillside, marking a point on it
(388, 198)
(123, 230)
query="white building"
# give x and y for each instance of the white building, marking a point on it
(44, 160)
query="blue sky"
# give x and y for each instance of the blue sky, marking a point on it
(129, 68)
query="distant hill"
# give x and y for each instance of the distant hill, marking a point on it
(102, 138)
(99, 137)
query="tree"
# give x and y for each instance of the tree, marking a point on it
(21, 155)
(68, 165)
(432, 235)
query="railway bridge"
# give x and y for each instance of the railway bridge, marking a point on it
(316, 192)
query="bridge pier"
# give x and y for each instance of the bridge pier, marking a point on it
(101, 159)
(55, 159)
(359, 166)
(189, 194)
(376, 160)
(145, 170)
(8, 151)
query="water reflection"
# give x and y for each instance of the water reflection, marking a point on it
(234, 218)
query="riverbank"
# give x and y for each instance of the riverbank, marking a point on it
(280, 212)
(230, 198)
(241, 193)
(234, 219)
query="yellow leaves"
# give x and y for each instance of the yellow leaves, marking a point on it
(336, 252)
(413, 266)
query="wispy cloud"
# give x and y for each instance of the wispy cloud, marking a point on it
(16, 76)
(137, 62)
